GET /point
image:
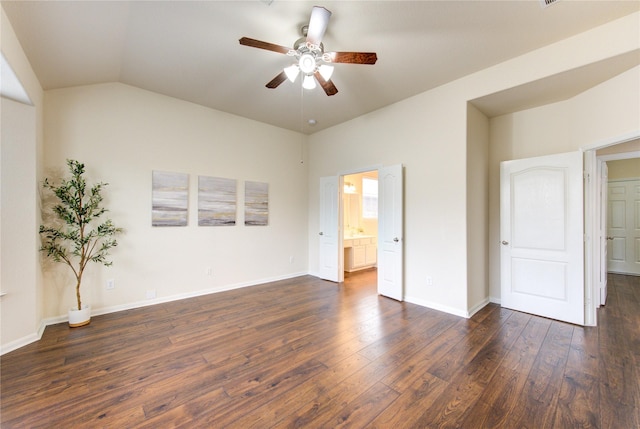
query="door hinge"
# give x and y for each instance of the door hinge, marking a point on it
(586, 176)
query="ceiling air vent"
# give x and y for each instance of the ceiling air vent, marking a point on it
(547, 3)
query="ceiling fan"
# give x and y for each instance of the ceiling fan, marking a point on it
(310, 58)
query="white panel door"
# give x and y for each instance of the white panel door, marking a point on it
(390, 232)
(623, 218)
(329, 238)
(541, 228)
(603, 233)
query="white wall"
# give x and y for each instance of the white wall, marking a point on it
(21, 153)
(122, 134)
(428, 134)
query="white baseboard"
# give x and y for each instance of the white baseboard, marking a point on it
(31, 338)
(437, 306)
(479, 306)
(446, 309)
(20, 342)
(148, 302)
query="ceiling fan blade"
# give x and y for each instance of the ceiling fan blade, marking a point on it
(263, 45)
(353, 57)
(327, 85)
(317, 25)
(276, 81)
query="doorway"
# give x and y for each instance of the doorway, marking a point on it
(359, 222)
(614, 250)
(595, 217)
(389, 240)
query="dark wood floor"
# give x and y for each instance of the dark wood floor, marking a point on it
(313, 354)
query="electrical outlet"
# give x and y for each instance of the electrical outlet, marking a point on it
(111, 284)
(429, 281)
(291, 259)
(209, 271)
(151, 294)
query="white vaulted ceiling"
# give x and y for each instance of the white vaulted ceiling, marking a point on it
(190, 50)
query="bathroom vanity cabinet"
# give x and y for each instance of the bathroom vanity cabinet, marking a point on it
(360, 252)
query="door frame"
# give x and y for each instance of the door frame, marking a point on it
(592, 213)
(341, 175)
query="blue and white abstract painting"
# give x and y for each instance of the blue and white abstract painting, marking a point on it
(256, 203)
(170, 199)
(216, 201)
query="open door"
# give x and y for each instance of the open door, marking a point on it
(602, 229)
(329, 230)
(541, 228)
(390, 232)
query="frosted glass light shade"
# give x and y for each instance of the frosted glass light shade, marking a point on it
(309, 82)
(307, 63)
(292, 72)
(326, 71)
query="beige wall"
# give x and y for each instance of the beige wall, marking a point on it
(477, 209)
(18, 244)
(624, 169)
(122, 134)
(558, 128)
(630, 146)
(428, 135)
(21, 309)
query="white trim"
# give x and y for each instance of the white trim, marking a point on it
(619, 156)
(360, 170)
(591, 261)
(31, 338)
(628, 179)
(479, 306)
(437, 306)
(202, 292)
(20, 342)
(612, 141)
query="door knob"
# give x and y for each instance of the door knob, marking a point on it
(321, 233)
(505, 243)
(609, 238)
(396, 239)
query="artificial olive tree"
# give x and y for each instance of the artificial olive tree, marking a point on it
(79, 237)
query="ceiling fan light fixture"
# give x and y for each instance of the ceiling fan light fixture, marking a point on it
(307, 63)
(309, 82)
(326, 71)
(310, 58)
(292, 72)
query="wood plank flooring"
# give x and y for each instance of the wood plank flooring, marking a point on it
(308, 353)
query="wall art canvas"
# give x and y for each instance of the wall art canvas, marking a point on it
(170, 199)
(256, 203)
(216, 201)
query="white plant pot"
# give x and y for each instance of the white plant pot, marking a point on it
(79, 317)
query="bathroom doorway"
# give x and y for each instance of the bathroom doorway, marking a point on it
(359, 224)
